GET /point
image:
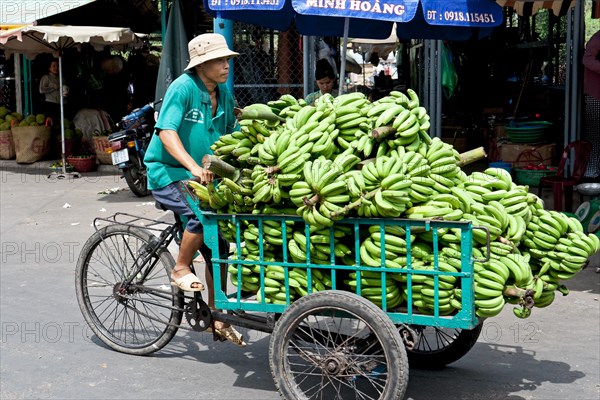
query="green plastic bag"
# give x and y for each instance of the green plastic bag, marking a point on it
(449, 76)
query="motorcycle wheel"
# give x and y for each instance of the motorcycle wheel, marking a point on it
(136, 178)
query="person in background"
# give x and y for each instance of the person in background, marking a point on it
(197, 109)
(326, 81)
(378, 68)
(591, 90)
(50, 88)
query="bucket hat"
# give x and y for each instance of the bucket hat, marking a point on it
(206, 47)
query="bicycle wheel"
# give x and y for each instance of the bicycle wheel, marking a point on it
(137, 319)
(334, 345)
(438, 347)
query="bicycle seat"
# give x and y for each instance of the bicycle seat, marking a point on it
(160, 205)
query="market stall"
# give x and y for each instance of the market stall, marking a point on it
(33, 40)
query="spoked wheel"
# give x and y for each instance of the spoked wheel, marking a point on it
(139, 318)
(136, 177)
(438, 347)
(337, 345)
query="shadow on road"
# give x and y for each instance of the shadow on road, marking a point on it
(508, 369)
(490, 371)
(247, 363)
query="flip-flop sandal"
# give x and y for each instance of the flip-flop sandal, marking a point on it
(231, 334)
(185, 283)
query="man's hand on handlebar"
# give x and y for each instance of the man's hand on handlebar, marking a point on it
(202, 175)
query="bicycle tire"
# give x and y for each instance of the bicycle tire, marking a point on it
(346, 342)
(119, 321)
(446, 346)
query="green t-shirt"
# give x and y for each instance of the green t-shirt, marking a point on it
(186, 110)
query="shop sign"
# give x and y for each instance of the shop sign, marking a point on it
(471, 13)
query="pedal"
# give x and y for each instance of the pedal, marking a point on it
(198, 314)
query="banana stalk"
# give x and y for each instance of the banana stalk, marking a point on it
(471, 156)
(344, 210)
(220, 167)
(382, 132)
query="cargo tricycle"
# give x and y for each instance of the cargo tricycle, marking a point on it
(330, 343)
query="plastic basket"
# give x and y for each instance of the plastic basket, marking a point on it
(531, 177)
(527, 132)
(83, 164)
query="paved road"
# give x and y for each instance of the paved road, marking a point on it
(47, 351)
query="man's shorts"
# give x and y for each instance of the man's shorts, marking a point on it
(173, 198)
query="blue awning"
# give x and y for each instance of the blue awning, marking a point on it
(427, 19)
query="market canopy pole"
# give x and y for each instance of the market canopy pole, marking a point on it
(344, 50)
(225, 28)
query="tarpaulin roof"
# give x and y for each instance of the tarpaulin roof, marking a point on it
(32, 40)
(24, 12)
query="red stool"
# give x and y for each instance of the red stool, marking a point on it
(562, 186)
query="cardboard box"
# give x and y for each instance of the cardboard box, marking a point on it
(530, 153)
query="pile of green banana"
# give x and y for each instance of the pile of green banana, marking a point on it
(313, 161)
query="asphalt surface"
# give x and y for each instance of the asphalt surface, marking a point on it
(47, 350)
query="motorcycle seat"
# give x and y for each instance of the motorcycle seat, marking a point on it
(117, 136)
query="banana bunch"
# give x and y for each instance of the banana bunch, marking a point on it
(274, 282)
(318, 246)
(448, 296)
(286, 161)
(250, 273)
(387, 185)
(441, 158)
(490, 282)
(219, 196)
(373, 289)
(252, 239)
(316, 125)
(200, 191)
(281, 151)
(286, 106)
(273, 233)
(236, 146)
(323, 193)
(350, 110)
(559, 243)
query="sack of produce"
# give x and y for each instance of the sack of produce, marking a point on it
(32, 143)
(7, 145)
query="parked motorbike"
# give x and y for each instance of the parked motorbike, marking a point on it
(128, 147)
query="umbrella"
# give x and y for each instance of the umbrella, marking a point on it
(33, 40)
(28, 11)
(355, 17)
